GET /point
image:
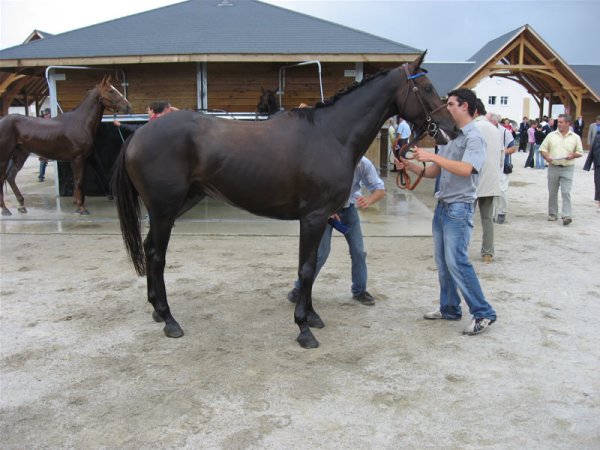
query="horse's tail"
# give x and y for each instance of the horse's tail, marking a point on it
(128, 207)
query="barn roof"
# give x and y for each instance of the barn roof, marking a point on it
(207, 30)
(523, 56)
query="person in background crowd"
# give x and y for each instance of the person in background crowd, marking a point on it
(560, 148)
(506, 124)
(548, 126)
(578, 126)
(154, 111)
(539, 162)
(391, 142)
(593, 158)
(594, 129)
(508, 148)
(403, 131)
(523, 127)
(489, 179)
(531, 143)
(46, 114)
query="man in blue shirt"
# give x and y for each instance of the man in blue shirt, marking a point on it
(364, 175)
(403, 131)
(458, 164)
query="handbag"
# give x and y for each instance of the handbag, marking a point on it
(508, 167)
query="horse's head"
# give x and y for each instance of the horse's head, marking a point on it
(419, 103)
(111, 98)
(267, 103)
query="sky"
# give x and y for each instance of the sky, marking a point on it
(450, 30)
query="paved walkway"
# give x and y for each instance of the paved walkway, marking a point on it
(398, 214)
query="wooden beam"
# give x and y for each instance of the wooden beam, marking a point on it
(9, 80)
(280, 58)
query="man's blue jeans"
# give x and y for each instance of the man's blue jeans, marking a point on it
(452, 227)
(358, 255)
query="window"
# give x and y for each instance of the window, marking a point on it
(492, 100)
(504, 100)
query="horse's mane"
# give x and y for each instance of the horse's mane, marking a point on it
(308, 113)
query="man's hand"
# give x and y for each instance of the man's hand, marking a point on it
(423, 155)
(363, 202)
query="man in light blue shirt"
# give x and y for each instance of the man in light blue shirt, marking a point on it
(403, 131)
(458, 164)
(364, 175)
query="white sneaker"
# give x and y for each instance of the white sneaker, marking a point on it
(478, 326)
(433, 315)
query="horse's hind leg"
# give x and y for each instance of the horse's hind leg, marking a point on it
(78, 166)
(155, 247)
(5, 210)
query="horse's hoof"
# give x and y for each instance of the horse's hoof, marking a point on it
(307, 340)
(6, 212)
(173, 330)
(83, 212)
(156, 316)
(22, 209)
(314, 321)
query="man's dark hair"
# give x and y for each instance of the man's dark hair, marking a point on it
(465, 95)
(480, 108)
(159, 106)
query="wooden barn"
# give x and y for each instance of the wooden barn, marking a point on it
(205, 55)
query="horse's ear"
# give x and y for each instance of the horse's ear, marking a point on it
(417, 62)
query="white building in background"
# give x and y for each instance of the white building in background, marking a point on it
(509, 99)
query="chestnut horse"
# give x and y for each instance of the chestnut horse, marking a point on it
(68, 137)
(298, 165)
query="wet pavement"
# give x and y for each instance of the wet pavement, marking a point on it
(398, 214)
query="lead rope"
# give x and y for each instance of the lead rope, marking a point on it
(403, 178)
(118, 128)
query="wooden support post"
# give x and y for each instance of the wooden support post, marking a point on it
(383, 151)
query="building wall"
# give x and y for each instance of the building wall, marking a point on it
(519, 102)
(232, 87)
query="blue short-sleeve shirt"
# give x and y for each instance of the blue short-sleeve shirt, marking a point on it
(469, 146)
(365, 175)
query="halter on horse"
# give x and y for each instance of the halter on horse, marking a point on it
(298, 165)
(403, 180)
(68, 137)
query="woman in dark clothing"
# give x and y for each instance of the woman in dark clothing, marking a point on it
(593, 157)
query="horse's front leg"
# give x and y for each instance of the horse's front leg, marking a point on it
(78, 166)
(155, 247)
(18, 161)
(311, 231)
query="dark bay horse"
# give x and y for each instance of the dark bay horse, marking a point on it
(68, 137)
(297, 165)
(267, 103)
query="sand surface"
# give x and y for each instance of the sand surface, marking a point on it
(84, 366)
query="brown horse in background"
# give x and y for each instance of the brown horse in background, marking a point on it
(68, 137)
(298, 165)
(267, 103)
